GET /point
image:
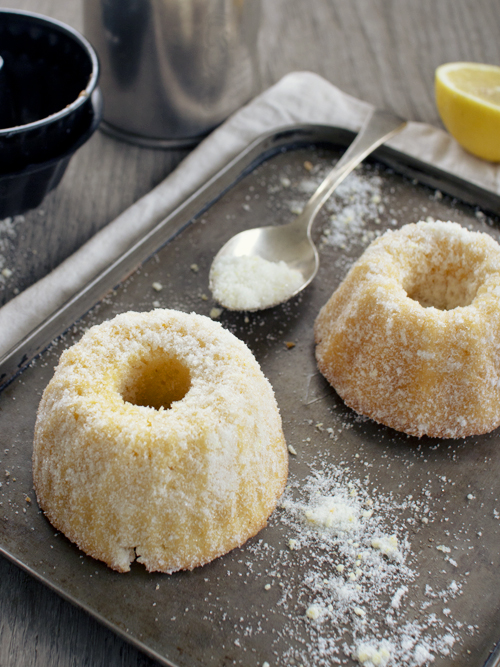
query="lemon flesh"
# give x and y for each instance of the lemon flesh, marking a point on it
(468, 101)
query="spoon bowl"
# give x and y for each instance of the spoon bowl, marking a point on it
(286, 243)
(239, 284)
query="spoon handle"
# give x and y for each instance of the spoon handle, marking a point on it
(378, 128)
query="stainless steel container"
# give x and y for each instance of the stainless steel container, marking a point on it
(172, 70)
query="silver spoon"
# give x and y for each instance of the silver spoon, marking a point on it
(291, 243)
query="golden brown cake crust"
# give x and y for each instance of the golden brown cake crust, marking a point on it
(158, 438)
(411, 338)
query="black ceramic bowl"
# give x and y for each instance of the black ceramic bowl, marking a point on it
(25, 189)
(49, 99)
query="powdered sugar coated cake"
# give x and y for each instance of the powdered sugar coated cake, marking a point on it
(158, 438)
(411, 338)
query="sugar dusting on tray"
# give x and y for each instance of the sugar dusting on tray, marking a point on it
(356, 595)
(357, 202)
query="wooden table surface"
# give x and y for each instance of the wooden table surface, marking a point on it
(382, 51)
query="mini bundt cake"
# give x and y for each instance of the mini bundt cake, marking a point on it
(158, 438)
(411, 337)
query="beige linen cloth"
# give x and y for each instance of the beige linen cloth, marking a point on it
(300, 97)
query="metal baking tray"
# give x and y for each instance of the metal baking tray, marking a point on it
(258, 604)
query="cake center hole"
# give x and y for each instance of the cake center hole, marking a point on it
(442, 284)
(157, 383)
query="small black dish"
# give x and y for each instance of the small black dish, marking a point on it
(49, 103)
(25, 189)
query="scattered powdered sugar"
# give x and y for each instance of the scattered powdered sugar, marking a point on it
(350, 583)
(357, 202)
(374, 654)
(334, 513)
(355, 205)
(252, 283)
(8, 234)
(397, 597)
(353, 210)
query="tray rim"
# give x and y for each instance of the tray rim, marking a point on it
(284, 139)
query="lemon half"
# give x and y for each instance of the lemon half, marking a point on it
(468, 101)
